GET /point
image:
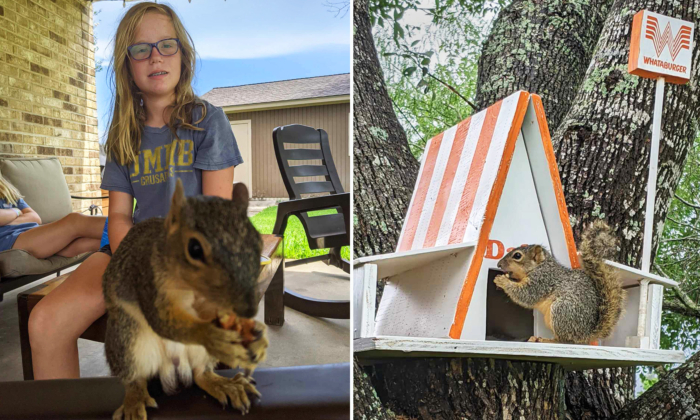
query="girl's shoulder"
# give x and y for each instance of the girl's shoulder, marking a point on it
(212, 113)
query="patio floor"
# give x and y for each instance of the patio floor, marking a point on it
(302, 340)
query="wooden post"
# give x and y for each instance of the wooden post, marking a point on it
(364, 298)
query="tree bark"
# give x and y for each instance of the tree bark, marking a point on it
(456, 388)
(367, 405)
(603, 144)
(542, 47)
(384, 169)
(676, 396)
(598, 394)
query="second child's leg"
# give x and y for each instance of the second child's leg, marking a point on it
(79, 246)
(46, 240)
(59, 319)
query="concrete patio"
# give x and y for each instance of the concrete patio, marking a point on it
(302, 340)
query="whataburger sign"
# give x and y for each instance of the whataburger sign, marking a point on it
(661, 46)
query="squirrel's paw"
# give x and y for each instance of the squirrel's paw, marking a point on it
(226, 346)
(234, 389)
(257, 349)
(135, 403)
(534, 339)
(502, 281)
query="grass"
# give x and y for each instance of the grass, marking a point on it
(295, 244)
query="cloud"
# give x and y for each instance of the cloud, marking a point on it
(244, 30)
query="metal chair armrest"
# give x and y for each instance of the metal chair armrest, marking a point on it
(87, 198)
(287, 208)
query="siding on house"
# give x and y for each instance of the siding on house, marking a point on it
(335, 119)
(47, 88)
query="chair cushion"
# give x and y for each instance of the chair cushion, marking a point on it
(18, 262)
(41, 182)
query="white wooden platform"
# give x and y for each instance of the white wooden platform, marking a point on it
(570, 356)
(389, 265)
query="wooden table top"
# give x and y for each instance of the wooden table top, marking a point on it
(321, 392)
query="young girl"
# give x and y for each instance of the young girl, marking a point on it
(159, 132)
(20, 228)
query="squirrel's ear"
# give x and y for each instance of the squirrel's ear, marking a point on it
(538, 253)
(172, 221)
(240, 195)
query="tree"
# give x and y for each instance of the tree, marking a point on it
(384, 169)
(588, 395)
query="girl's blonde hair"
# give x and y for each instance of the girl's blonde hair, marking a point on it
(8, 192)
(128, 117)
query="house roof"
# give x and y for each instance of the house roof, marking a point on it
(280, 91)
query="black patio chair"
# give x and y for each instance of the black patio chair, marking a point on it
(322, 231)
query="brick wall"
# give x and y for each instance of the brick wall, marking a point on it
(48, 105)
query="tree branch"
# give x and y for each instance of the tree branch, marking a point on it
(683, 224)
(453, 90)
(680, 309)
(686, 203)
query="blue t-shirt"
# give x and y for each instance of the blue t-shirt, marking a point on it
(9, 233)
(163, 159)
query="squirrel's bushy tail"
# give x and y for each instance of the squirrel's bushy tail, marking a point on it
(597, 244)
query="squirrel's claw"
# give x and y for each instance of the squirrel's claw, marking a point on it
(135, 402)
(133, 412)
(234, 389)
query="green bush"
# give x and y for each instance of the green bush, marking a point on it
(295, 244)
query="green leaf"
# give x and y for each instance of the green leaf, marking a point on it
(425, 62)
(414, 43)
(409, 71)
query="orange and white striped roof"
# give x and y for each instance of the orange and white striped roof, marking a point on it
(462, 175)
(457, 175)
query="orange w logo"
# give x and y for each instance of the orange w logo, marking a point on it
(675, 44)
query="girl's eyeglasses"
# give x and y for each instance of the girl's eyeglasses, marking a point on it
(143, 50)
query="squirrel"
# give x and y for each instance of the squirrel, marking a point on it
(579, 306)
(164, 289)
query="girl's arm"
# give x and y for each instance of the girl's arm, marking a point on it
(121, 206)
(217, 183)
(28, 216)
(7, 216)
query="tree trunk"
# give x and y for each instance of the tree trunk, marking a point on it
(456, 388)
(384, 169)
(598, 394)
(367, 405)
(541, 47)
(676, 396)
(603, 144)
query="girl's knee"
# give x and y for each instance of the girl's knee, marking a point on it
(41, 326)
(75, 217)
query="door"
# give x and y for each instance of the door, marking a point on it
(243, 172)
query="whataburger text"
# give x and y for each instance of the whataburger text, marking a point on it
(664, 64)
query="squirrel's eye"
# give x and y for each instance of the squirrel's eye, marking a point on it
(517, 255)
(195, 250)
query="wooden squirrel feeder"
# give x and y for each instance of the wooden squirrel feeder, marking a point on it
(485, 186)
